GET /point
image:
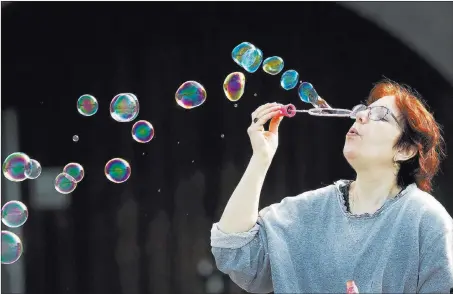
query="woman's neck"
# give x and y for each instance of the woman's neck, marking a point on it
(370, 191)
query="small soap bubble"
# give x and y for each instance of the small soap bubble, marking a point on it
(158, 190)
(117, 170)
(289, 79)
(87, 105)
(307, 93)
(75, 138)
(142, 131)
(124, 107)
(12, 247)
(34, 170)
(239, 51)
(65, 184)
(252, 59)
(190, 94)
(321, 103)
(222, 136)
(75, 170)
(273, 65)
(235, 105)
(14, 214)
(234, 86)
(15, 165)
(255, 94)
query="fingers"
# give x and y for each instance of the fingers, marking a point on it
(264, 109)
(275, 123)
(258, 125)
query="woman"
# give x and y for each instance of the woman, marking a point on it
(383, 231)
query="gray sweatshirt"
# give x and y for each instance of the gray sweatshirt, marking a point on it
(311, 243)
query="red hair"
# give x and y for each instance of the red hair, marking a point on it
(420, 129)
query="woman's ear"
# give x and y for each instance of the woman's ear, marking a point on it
(406, 153)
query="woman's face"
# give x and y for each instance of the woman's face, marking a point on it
(370, 143)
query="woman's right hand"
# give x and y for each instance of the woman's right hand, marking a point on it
(265, 143)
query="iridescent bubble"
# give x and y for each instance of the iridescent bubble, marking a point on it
(75, 138)
(117, 170)
(234, 86)
(75, 170)
(124, 107)
(190, 94)
(87, 105)
(321, 103)
(15, 165)
(34, 170)
(65, 184)
(14, 214)
(289, 79)
(142, 131)
(273, 65)
(239, 51)
(12, 247)
(251, 60)
(307, 93)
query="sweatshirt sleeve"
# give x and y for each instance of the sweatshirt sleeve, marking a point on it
(436, 265)
(244, 257)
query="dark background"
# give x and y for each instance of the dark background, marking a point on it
(148, 235)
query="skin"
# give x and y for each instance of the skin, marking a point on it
(372, 155)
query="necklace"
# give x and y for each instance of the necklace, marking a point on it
(353, 202)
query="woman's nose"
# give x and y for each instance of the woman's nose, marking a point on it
(362, 116)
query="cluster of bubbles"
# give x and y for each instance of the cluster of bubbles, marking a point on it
(66, 181)
(14, 215)
(124, 108)
(18, 167)
(249, 57)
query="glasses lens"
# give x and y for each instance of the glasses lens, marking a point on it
(356, 109)
(378, 113)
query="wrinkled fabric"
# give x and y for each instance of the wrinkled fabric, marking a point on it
(311, 243)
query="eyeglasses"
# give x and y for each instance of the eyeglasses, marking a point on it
(376, 113)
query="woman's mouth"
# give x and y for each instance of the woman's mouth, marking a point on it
(352, 132)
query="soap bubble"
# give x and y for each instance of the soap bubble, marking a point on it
(12, 247)
(14, 214)
(307, 93)
(75, 138)
(65, 184)
(251, 60)
(142, 131)
(34, 170)
(190, 94)
(239, 51)
(273, 65)
(124, 107)
(289, 79)
(117, 170)
(15, 165)
(321, 103)
(234, 85)
(87, 105)
(75, 170)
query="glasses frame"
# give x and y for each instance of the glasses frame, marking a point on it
(387, 112)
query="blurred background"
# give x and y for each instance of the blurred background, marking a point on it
(151, 234)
